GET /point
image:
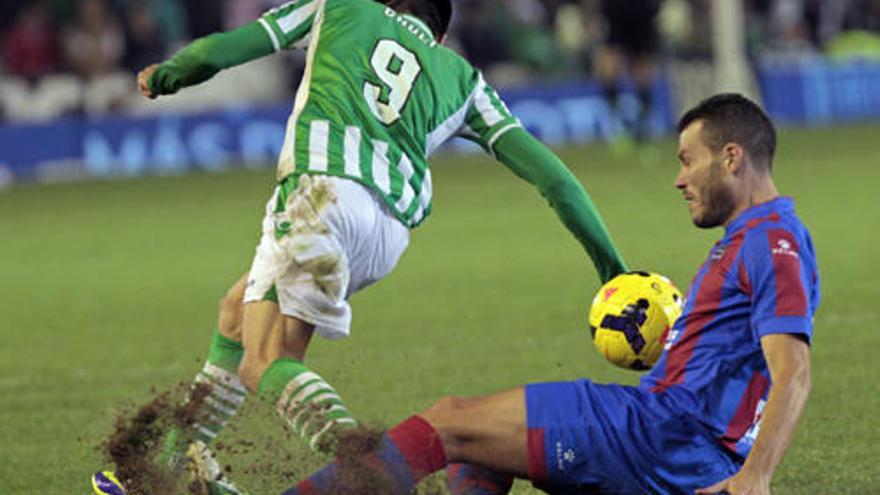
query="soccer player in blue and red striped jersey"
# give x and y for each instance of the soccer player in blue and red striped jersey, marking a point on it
(717, 412)
(748, 319)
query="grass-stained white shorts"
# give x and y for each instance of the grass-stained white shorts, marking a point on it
(324, 238)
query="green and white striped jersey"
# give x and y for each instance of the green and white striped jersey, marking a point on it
(379, 95)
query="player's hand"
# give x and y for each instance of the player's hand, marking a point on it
(742, 483)
(143, 81)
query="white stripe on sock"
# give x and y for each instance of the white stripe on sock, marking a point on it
(218, 391)
(225, 377)
(207, 433)
(294, 384)
(317, 400)
(318, 409)
(220, 408)
(313, 443)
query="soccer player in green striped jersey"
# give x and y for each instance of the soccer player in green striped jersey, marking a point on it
(379, 95)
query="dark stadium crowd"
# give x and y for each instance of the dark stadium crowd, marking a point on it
(94, 37)
(513, 40)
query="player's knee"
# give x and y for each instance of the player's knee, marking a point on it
(450, 405)
(449, 416)
(231, 311)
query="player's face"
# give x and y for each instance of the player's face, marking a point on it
(702, 179)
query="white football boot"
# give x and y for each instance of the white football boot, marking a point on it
(203, 467)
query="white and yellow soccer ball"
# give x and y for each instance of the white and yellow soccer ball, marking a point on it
(630, 317)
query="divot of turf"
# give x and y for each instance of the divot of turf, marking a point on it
(138, 437)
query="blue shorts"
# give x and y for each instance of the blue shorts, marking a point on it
(587, 437)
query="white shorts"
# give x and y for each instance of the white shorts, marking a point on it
(331, 238)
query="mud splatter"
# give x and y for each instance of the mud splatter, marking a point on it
(138, 437)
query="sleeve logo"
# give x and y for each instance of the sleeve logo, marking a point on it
(784, 248)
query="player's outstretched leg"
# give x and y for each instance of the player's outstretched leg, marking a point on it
(220, 373)
(275, 345)
(187, 447)
(489, 431)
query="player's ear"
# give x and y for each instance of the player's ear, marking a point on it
(733, 158)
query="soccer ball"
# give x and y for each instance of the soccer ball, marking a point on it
(631, 316)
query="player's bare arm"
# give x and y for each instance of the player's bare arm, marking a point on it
(788, 358)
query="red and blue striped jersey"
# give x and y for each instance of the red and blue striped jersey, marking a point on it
(760, 279)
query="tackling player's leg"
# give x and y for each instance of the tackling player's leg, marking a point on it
(274, 347)
(220, 373)
(490, 431)
(186, 447)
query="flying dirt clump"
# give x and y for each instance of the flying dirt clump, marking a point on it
(137, 439)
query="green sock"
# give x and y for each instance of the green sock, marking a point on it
(225, 353)
(306, 402)
(227, 394)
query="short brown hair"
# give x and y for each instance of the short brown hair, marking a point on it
(733, 118)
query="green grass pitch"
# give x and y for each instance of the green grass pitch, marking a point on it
(111, 288)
